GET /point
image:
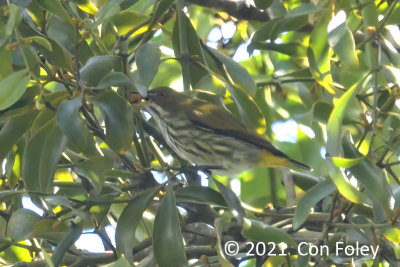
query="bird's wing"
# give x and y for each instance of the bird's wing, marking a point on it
(214, 118)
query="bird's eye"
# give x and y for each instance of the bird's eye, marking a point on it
(162, 93)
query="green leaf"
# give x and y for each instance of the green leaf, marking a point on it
(13, 129)
(73, 234)
(369, 175)
(42, 42)
(129, 221)
(304, 180)
(392, 234)
(335, 120)
(259, 231)
(291, 49)
(190, 71)
(57, 56)
(21, 3)
(310, 199)
(118, 120)
(13, 87)
(318, 53)
(127, 3)
(342, 42)
(250, 113)
(21, 224)
(258, 187)
(238, 74)
(7, 194)
(108, 10)
(63, 33)
(370, 19)
(14, 18)
(127, 20)
(347, 163)
(86, 6)
(263, 4)
(55, 7)
(293, 20)
(147, 62)
(93, 169)
(51, 229)
(41, 156)
(97, 67)
(71, 124)
(232, 200)
(115, 79)
(167, 231)
(201, 195)
(5, 63)
(121, 262)
(303, 256)
(345, 188)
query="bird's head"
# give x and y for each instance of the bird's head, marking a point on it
(165, 98)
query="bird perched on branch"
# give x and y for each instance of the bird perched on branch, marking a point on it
(207, 135)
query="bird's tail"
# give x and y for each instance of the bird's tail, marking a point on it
(279, 159)
(301, 165)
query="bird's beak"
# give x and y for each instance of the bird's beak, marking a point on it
(136, 98)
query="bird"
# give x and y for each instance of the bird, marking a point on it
(205, 134)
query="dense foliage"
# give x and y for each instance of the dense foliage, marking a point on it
(73, 144)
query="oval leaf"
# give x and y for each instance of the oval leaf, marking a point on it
(147, 61)
(21, 224)
(72, 125)
(97, 67)
(115, 79)
(55, 7)
(13, 129)
(201, 195)
(12, 88)
(118, 120)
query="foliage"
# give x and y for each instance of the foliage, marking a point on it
(71, 141)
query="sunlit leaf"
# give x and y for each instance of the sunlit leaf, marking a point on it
(342, 42)
(345, 162)
(319, 53)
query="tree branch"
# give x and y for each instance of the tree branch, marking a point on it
(240, 9)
